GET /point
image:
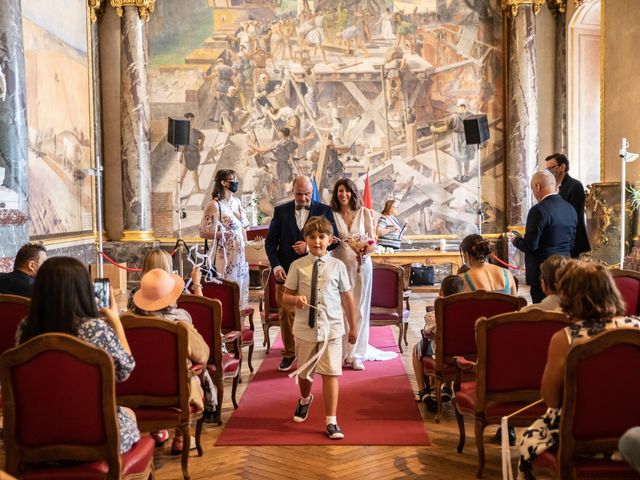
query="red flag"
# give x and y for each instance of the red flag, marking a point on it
(366, 197)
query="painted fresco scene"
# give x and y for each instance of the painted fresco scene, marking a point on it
(331, 89)
(57, 82)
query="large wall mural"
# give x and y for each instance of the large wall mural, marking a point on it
(57, 73)
(330, 89)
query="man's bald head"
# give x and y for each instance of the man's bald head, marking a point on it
(542, 184)
(302, 190)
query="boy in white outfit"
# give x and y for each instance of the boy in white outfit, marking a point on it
(321, 281)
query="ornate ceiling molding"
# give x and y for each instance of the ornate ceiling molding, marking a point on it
(557, 6)
(96, 7)
(511, 7)
(145, 7)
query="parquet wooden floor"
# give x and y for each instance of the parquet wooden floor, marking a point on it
(440, 461)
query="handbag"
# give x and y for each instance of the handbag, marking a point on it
(422, 274)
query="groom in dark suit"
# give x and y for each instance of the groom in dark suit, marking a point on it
(284, 244)
(550, 230)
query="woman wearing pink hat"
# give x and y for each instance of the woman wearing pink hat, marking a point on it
(157, 297)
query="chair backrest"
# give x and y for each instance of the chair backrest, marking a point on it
(206, 314)
(268, 281)
(43, 421)
(228, 293)
(456, 317)
(161, 377)
(512, 354)
(601, 392)
(387, 285)
(13, 308)
(628, 282)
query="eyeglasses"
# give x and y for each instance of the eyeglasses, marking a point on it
(552, 168)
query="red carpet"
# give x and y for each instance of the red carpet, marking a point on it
(375, 407)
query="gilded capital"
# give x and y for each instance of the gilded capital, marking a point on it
(145, 7)
(512, 6)
(577, 3)
(95, 9)
(557, 6)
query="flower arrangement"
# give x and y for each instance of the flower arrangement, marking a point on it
(361, 245)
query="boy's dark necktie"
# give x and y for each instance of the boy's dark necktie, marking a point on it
(314, 294)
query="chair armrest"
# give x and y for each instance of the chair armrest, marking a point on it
(231, 336)
(463, 366)
(248, 313)
(261, 303)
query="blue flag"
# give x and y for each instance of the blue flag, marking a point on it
(315, 197)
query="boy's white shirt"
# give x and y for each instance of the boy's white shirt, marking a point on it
(332, 281)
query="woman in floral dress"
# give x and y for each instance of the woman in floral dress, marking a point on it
(66, 277)
(589, 296)
(225, 219)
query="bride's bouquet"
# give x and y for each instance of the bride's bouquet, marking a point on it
(361, 245)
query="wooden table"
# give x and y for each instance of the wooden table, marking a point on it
(428, 257)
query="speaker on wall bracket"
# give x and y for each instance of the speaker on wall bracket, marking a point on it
(476, 129)
(178, 132)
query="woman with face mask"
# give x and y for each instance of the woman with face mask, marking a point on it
(225, 219)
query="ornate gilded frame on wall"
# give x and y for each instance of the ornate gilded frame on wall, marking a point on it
(58, 61)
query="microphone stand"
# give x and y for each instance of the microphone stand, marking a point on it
(180, 247)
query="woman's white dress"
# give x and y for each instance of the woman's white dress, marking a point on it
(230, 259)
(386, 32)
(361, 284)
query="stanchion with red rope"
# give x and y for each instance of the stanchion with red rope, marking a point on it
(113, 262)
(508, 265)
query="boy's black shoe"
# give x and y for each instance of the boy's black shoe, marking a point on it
(334, 432)
(302, 411)
(432, 403)
(285, 364)
(422, 395)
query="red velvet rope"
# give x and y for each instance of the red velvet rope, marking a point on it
(113, 262)
(508, 265)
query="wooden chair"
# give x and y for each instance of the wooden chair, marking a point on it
(13, 308)
(59, 404)
(232, 317)
(269, 306)
(158, 388)
(387, 301)
(600, 403)
(512, 354)
(456, 316)
(628, 282)
(207, 318)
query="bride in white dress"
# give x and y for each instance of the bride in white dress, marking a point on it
(353, 219)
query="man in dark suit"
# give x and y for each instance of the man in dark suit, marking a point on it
(284, 244)
(550, 230)
(572, 191)
(25, 266)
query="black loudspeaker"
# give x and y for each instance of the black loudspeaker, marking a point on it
(476, 129)
(178, 132)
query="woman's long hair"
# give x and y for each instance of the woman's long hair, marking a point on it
(62, 297)
(221, 176)
(387, 206)
(157, 258)
(355, 203)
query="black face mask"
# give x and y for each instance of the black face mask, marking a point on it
(233, 187)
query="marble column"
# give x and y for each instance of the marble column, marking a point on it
(14, 160)
(522, 120)
(560, 108)
(135, 118)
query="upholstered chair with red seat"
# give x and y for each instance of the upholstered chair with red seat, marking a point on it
(207, 318)
(159, 388)
(387, 300)
(59, 404)
(512, 354)
(456, 317)
(268, 306)
(600, 403)
(233, 318)
(13, 308)
(628, 282)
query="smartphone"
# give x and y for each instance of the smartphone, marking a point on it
(103, 292)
